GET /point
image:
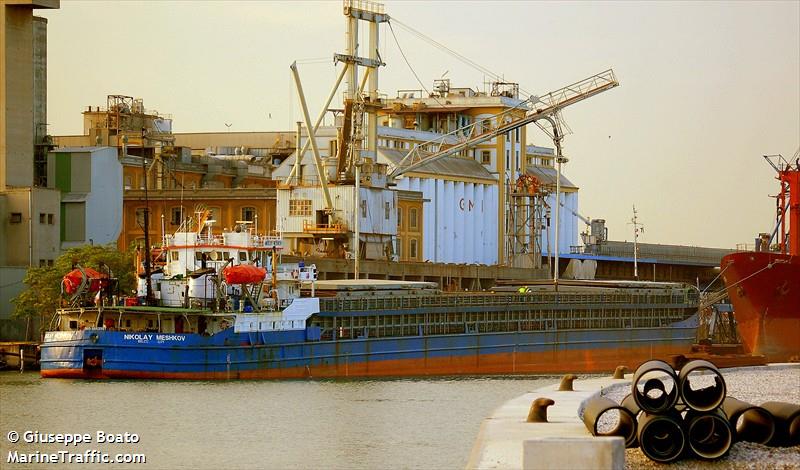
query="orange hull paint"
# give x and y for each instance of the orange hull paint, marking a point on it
(764, 289)
(594, 361)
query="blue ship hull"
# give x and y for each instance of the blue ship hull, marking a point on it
(100, 353)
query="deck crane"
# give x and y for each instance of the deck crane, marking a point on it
(541, 107)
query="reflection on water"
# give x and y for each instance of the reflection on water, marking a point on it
(397, 423)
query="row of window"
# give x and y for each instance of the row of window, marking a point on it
(178, 214)
(16, 218)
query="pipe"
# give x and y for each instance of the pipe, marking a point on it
(661, 437)
(659, 387)
(750, 423)
(701, 399)
(630, 404)
(604, 417)
(787, 423)
(710, 435)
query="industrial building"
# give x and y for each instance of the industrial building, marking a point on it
(28, 239)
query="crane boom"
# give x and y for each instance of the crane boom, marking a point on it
(538, 108)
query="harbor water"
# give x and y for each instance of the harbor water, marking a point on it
(347, 424)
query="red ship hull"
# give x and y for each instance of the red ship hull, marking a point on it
(764, 289)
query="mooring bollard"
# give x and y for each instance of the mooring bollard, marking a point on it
(566, 383)
(619, 372)
(21, 359)
(538, 411)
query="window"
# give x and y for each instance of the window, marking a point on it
(42, 263)
(508, 158)
(16, 218)
(486, 125)
(486, 157)
(49, 262)
(300, 207)
(412, 248)
(333, 147)
(50, 218)
(249, 213)
(176, 215)
(399, 216)
(242, 256)
(516, 131)
(386, 210)
(42, 217)
(399, 247)
(128, 181)
(363, 208)
(412, 218)
(140, 216)
(174, 255)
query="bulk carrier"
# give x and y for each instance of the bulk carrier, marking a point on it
(764, 285)
(355, 328)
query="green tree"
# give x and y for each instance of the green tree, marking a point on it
(39, 301)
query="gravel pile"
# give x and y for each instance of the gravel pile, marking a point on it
(754, 385)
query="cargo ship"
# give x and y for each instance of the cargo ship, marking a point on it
(764, 284)
(281, 322)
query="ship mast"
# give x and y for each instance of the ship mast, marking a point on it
(637, 228)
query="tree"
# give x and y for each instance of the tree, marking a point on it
(39, 301)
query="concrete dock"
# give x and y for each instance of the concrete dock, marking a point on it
(507, 441)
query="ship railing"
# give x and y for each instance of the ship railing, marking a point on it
(687, 297)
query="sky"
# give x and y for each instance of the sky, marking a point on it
(706, 88)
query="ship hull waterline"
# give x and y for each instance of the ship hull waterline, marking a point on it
(764, 289)
(575, 351)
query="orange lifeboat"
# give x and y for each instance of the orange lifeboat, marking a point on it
(244, 274)
(72, 280)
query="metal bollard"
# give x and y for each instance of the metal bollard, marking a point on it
(619, 372)
(597, 407)
(749, 422)
(538, 411)
(566, 383)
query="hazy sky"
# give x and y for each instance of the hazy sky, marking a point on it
(706, 88)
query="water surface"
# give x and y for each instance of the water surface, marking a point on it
(346, 424)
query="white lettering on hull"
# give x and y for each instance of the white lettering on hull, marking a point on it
(149, 338)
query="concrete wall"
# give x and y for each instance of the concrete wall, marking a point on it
(11, 286)
(16, 96)
(34, 238)
(90, 183)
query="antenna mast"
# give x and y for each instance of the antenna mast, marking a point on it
(637, 228)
